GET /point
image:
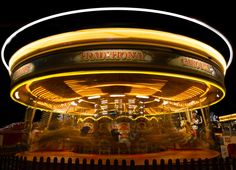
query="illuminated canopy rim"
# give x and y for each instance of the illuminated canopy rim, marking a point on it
(20, 92)
(116, 17)
(109, 36)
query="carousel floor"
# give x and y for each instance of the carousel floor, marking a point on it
(138, 158)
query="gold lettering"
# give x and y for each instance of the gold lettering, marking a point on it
(195, 64)
(109, 55)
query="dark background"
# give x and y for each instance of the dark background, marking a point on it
(13, 15)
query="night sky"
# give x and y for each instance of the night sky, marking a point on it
(219, 16)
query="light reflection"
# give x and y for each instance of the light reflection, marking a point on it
(17, 95)
(142, 97)
(93, 97)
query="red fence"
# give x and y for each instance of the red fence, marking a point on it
(21, 163)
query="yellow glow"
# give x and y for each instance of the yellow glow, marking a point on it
(93, 97)
(142, 97)
(41, 92)
(116, 36)
(117, 95)
(94, 89)
(149, 118)
(227, 117)
(189, 93)
(136, 118)
(28, 82)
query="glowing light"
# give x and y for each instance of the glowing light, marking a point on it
(217, 95)
(190, 78)
(120, 36)
(17, 95)
(93, 97)
(227, 117)
(80, 100)
(142, 97)
(104, 107)
(165, 102)
(117, 95)
(104, 102)
(157, 100)
(104, 112)
(74, 103)
(9, 39)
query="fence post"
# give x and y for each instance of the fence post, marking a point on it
(146, 164)
(177, 164)
(108, 165)
(16, 163)
(3, 164)
(100, 164)
(10, 162)
(69, 164)
(124, 165)
(54, 163)
(234, 163)
(34, 163)
(214, 163)
(221, 163)
(162, 165)
(115, 164)
(1, 161)
(154, 164)
(192, 164)
(206, 164)
(227, 163)
(20, 165)
(11, 165)
(25, 164)
(92, 164)
(132, 165)
(40, 163)
(77, 164)
(185, 164)
(7, 162)
(84, 164)
(48, 162)
(170, 164)
(62, 163)
(199, 163)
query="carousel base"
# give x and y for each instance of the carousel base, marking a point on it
(138, 158)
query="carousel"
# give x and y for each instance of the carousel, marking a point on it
(98, 84)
